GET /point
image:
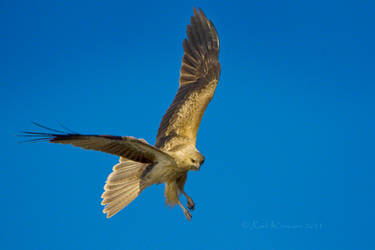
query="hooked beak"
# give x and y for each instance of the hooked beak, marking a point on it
(199, 167)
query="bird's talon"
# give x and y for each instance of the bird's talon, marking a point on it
(190, 204)
(187, 215)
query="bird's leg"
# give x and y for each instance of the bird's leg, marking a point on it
(190, 202)
(186, 212)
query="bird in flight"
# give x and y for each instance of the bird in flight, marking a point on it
(174, 153)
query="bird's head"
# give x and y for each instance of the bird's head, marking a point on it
(196, 160)
(187, 156)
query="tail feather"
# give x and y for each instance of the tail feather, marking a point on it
(115, 193)
(129, 165)
(115, 206)
(116, 178)
(123, 185)
(115, 189)
(108, 187)
(119, 195)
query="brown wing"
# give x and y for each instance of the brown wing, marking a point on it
(199, 76)
(126, 146)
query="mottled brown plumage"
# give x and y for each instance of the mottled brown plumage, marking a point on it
(199, 75)
(174, 153)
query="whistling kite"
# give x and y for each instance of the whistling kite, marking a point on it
(174, 153)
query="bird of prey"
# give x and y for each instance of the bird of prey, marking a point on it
(174, 153)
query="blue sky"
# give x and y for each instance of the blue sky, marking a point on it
(288, 137)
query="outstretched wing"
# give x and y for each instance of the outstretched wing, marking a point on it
(199, 76)
(126, 146)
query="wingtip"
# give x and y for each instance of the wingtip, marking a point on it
(199, 12)
(47, 128)
(202, 13)
(37, 137)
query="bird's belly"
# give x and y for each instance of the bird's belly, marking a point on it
(161, 173)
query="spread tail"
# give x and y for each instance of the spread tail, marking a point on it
(123, 185)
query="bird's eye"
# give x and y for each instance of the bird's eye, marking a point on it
(192, 160)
